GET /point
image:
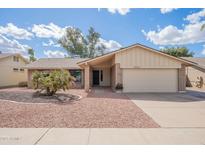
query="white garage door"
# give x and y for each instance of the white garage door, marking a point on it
(150, 80)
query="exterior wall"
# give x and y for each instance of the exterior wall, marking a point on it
(106, 77)
(192, 75)
(9, 77)
(139, 57)
(182, 79)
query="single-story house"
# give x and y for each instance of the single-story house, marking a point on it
(49, 64)
(137, 67)
(12, 69)
(196, 74)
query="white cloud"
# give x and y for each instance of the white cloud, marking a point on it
(54, 54)
(50, 43)
(48, 31)
(167, 10)
(14, 31)
(196, 17)
(12, 46)
(171, 35)
(122, 11)
(110, 45)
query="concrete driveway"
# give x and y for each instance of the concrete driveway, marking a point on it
(173, 110)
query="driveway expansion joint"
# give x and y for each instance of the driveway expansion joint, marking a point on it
(88, 141)
(40, 138)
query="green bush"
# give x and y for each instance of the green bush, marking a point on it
(53, 81)
(119, 86)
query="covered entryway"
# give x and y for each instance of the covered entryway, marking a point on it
(150, 80)
(96, 78)
(99, 72)
(101, 76)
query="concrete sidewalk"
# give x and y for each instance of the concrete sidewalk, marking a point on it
(102, 136)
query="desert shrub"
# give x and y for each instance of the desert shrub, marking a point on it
(119, 86)
(23, 84)
(51, 82)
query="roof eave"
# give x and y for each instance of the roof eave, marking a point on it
(51, 68)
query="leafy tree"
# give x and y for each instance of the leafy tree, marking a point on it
(31, 54)
(84, 46)
(53, 81)
(178, 52)
(73, 41)
(94, 47)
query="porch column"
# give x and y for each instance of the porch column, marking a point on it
(87, 78)
(182, 78)
(118, 72)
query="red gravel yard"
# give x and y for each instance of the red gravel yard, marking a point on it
(100, 108)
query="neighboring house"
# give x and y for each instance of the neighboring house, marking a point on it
(195, 74)
(12, 70)
(138, 68)
(49, 64)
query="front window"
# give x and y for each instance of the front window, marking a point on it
(15, 69)
(22, 70)
(76, 74)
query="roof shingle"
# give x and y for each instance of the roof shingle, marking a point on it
(55, 63)
(4, 55)
(200, 61)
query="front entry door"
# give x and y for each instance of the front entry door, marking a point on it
(95, 77)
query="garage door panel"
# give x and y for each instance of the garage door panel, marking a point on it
(150, 80)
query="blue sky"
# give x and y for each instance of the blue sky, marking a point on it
(157, 28)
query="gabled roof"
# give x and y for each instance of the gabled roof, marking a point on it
(199, 60)
(55, 63)
(5, 55)
(138, 45)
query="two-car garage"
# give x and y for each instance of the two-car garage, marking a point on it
(150, 80)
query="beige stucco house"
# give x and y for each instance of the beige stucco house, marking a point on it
(12, 70)
(138, 68)
(195, 74)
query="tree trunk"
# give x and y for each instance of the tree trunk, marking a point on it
(49, 92)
